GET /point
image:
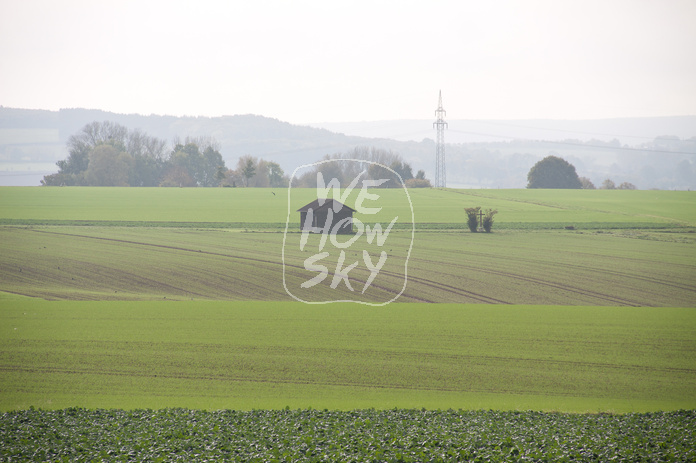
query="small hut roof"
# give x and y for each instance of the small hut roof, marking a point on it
(314, 205)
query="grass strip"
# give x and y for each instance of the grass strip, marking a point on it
(140, 224)
(293, 227)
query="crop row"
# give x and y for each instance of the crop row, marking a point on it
(506, 267)
(77, 434)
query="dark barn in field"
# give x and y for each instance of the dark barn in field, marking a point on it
(320, 214)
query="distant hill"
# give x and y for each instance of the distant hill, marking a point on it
(488, 154)
(627, 130)
(33, 140)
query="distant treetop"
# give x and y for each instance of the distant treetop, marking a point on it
(553, 172)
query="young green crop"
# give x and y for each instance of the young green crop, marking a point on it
(270, 206)
(245, 355)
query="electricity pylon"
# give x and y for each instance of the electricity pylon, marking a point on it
(440, 124)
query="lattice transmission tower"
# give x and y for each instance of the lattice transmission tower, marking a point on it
(440, 124)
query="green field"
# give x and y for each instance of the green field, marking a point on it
(151, 298)
(241, 206)
(245, 355)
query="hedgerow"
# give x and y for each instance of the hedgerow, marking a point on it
(77, 434)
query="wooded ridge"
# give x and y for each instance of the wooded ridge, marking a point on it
(34, 140)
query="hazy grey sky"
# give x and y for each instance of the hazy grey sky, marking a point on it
(322, 61)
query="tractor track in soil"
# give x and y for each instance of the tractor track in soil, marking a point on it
(241, 379)
(465, 359)
(651, 279)
(424, 281)
(452, 289)
(561, 286)
(429, 283)
(219, 254)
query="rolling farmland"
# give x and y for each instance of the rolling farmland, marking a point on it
(580, 301)
(646, 268)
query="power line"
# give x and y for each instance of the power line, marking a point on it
(507, 124)
(18, 174)
(584, 145)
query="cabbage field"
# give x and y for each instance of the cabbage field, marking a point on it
(76, 434)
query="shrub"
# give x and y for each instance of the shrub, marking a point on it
(472, 218)
(418, 183)
(488, 220)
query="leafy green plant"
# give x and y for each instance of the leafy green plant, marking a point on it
(488, 220)
(407, 435)
(472, 218)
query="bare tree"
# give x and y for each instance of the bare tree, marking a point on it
(608, 184)
(586, 183)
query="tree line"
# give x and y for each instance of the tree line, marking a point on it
(556, 172)
(378, 164)
(109, 154)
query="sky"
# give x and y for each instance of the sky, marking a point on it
(307, 61)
